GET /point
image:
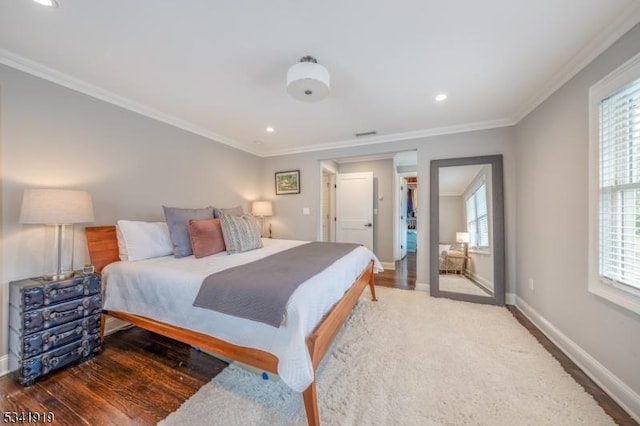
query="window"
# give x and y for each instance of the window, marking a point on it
(478, 218)
(614, 221)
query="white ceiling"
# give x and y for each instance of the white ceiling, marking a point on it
(218, 68)
(453, 181)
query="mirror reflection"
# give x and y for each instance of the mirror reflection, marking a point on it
(465, 263)
(467, 229)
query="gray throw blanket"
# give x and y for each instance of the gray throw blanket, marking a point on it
(260, 290)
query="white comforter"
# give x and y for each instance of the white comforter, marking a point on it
(164, 288)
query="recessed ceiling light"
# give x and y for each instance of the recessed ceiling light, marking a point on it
(49, 3)
(441, 97)
(270, 129)
(258, 142)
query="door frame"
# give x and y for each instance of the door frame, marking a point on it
(397, 211)
(330, 168)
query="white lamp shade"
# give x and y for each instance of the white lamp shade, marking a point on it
(56, 207)
(262, 208)
(308, 81)
(462, 237)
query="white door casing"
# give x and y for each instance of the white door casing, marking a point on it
(354, 208)
(403, 217)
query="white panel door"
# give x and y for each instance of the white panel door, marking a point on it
(354, 208)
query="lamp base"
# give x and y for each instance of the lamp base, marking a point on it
(58, 276)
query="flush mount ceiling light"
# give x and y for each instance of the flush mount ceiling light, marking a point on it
(441, 97)
(308, 80)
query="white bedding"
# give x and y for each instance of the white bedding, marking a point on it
(164, 288)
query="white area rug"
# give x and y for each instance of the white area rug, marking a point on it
(410, 359)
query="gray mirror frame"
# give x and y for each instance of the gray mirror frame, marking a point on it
(498, 228)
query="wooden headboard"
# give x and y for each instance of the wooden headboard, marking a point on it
(103, 245)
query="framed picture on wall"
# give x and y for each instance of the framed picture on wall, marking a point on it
(288, 182)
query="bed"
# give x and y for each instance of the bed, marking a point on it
(156, 294)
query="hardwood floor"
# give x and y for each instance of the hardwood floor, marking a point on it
(141, 377)
(403, 277)
(138, 379)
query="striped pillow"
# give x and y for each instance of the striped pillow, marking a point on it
(240, 233)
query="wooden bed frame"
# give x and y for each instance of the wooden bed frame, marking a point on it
(103, 250)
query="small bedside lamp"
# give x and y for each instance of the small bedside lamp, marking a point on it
(59, 209)
(463, 237)
(262, 209)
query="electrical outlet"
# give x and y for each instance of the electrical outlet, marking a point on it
(531, 284)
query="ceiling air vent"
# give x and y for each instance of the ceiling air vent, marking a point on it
(370, 133)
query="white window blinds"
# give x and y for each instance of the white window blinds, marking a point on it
(619, 171)
(478, 218)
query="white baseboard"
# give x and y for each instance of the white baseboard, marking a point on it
(4, 365)
(391, 266)
(422, 287)
(480, 280)
(610, 383)
(510, 298)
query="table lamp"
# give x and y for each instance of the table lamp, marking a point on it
(58, 209)
(262, 209)
(463, 237)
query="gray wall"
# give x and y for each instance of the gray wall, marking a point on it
(552, 226)
(383, 181)
(289, 222)
(132, 165)
(451, 218)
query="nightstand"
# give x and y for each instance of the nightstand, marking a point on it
(53, 324)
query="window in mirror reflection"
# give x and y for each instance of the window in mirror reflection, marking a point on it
(478, 218)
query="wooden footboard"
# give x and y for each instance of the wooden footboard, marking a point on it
(103, 249)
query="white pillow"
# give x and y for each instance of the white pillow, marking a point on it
(143, 240)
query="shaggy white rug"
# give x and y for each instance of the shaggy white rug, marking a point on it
(410, 359)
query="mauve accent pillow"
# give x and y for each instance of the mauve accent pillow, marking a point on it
(206, 237)
(178, 222)
(233, 211)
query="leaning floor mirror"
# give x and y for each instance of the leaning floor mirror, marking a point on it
(467, 259)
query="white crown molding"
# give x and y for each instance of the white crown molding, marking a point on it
(626, 397)
(395, 137)
(34, 68)
(625, 21)
(363, 158)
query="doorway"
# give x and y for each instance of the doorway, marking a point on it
(406, 226)
(411, 193)
(327, 230)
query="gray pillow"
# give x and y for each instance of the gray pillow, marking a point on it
(178, 223)
(233, 211)
(240, 233)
